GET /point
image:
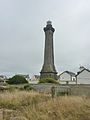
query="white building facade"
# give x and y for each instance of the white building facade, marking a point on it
(83, 77)
(67, 78)
(35, 79)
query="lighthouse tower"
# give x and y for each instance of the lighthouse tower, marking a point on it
(48, 68)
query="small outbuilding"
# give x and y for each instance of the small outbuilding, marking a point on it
(67, 77)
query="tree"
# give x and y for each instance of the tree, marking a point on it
(17, 79)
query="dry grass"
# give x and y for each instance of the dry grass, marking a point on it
(22, 105)
(17, 99)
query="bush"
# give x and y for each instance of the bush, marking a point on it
(28, 87)
(17, 79)
(48, 80)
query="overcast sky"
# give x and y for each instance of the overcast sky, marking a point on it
(22, 36)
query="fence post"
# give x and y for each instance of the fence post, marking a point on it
(53, 91)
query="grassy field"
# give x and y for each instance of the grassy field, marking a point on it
(24, 105)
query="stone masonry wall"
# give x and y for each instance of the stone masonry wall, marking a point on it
(78, 90)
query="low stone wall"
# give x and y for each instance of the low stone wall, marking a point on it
(81, 90)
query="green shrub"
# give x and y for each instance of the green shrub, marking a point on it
(28, 87)
(48, 80)
(17, 79)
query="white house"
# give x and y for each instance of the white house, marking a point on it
(35, 79)
(67, 77)
(83, 76)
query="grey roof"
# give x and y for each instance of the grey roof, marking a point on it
(82, 71)
(70, 73)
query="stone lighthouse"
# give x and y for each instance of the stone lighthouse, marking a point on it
(48, 68)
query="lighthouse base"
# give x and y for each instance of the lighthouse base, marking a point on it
(52, 75)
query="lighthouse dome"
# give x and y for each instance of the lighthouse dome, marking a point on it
(49, 22)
